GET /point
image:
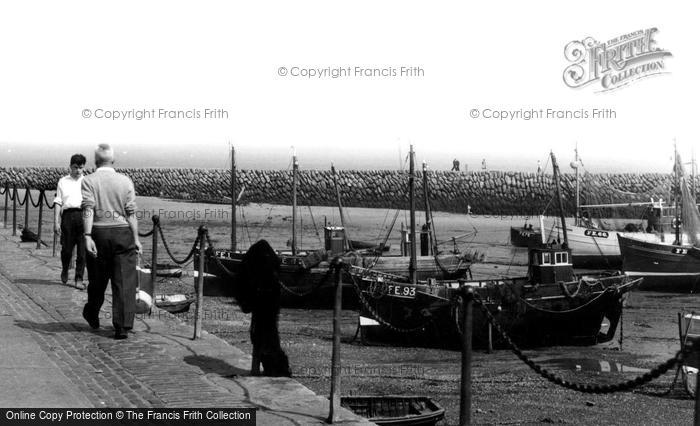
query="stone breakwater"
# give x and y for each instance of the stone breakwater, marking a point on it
(485, 193)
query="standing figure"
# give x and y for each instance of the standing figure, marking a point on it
(68, 220)
(111, 241)
(455, 165)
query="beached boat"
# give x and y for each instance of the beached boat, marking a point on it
(550, 305)
(526, 236)
(395, 410)
(593, 240)
(306, 276)
(672, 265)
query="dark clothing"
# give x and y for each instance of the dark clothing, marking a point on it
(72, 236)
(116, 261)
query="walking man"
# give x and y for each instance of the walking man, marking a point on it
(111, 241)
(68, 220)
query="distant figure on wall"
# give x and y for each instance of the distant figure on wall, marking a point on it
(455, 165)
(539, 168)
(483, 164)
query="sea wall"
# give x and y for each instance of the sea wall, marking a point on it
(488, 193)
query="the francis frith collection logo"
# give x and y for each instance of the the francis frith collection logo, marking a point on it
(614, 63)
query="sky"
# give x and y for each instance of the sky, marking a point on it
(203, 75)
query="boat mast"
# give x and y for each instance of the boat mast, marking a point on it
(677, 195)
(411, 193)
(432, 243)
(233, 199)
(577, 219)
(340, 205)
(295, 166)
(555, 166)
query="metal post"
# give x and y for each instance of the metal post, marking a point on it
(490, 348)
(41, 215)
(335, 358)
(14, 210)
(465, 404)
(154, 254)
(7, 199)
(200, 284)
(26, 209)
(233, 199)
(697, 384)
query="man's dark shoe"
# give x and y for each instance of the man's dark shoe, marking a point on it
(64, 277)
(93, 322)
(119, 333)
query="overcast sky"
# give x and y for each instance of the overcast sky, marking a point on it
(67, 65)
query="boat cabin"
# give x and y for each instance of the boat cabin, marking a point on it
(335, 241)
(550, 264)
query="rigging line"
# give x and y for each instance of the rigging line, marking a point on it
(311, 213)
(245, 224)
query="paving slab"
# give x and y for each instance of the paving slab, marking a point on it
(51, 358)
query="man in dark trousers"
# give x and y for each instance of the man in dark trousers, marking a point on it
(111, 241)
(68, 220)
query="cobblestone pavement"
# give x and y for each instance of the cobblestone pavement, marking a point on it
(159, 365)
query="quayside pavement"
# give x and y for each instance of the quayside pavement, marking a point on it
(51, 358)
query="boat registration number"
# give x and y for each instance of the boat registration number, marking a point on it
(680, 251)
(402, 291)
(595, 234)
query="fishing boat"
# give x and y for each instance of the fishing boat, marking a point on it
(525, 237)
(674, 264)
(306, 275)
(550, 305)
(593, 240)
(395, 410)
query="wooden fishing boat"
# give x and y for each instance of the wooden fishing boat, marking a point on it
(664, 266)
(525, 236)
(306, 276)
(674, 264)
(395, 410)
(550, 305)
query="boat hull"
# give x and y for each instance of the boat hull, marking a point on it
(598, 248)
(307, 280)
(520, 237)
(533, 316)
(665, 267)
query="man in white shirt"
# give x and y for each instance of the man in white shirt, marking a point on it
(69, 221)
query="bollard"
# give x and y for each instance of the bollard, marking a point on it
(7, 200)
(26, 209)
(201, 235)
(14, 210)
(335, 357)
(154, 254)
(490, 348)
(465, 403)
(41, 214)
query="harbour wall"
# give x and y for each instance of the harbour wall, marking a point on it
(485, 193)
